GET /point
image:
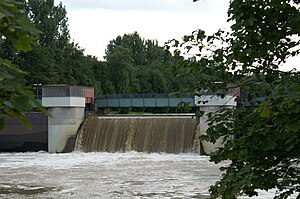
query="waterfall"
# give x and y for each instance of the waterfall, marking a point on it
(170, 134)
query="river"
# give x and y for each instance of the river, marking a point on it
(106, 175)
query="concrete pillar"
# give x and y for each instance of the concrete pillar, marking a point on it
(66, 105)
(208, 147)
(63, 124)
(211, 104)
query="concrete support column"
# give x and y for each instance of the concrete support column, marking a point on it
(66, 105)
(63, 124)
(208, 147)
(210, 104)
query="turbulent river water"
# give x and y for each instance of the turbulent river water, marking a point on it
(106, 175)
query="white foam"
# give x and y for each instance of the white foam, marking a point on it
(111, 175)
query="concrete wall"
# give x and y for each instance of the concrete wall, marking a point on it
(15, 137)
(63, 101)
(63, 124)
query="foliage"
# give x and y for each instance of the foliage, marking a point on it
(120, 65)
(151, 78)
(15, 26)
(103, 82)
(262, 142)
(14, 96)
(149, 69)
(132, 64)
(128, 62)
(51, 20)
(265, 150)
(134, 43)
(54, 59)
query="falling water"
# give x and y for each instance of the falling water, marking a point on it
(170, 134)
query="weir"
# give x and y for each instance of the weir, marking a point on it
(155, 133)
(68, 105)
(170, 134)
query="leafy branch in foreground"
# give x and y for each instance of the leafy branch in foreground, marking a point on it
(14, 97)
(262, 135)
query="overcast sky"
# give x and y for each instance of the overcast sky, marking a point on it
(93, 23)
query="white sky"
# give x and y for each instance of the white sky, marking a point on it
(93, 23)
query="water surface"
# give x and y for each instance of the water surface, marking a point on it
(106, 175)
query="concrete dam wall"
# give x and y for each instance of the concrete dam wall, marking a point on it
(14, 137)
(170, 134)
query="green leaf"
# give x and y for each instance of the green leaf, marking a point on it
(24, 42)
(265, 113)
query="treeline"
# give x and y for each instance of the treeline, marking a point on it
(132, 64)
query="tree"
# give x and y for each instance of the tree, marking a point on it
(46, 61)
(152, 79)
(134, 43)
(40, 64)
(51, 20)
(153, 69)
(262, 142)
(54, 59)
(17, 29)
(102, 77)
(154, 52)
(122, 71)
(132, 55)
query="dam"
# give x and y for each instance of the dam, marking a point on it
(156, 133)
(69, 128)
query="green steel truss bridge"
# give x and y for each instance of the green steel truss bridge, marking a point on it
(143, 100)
